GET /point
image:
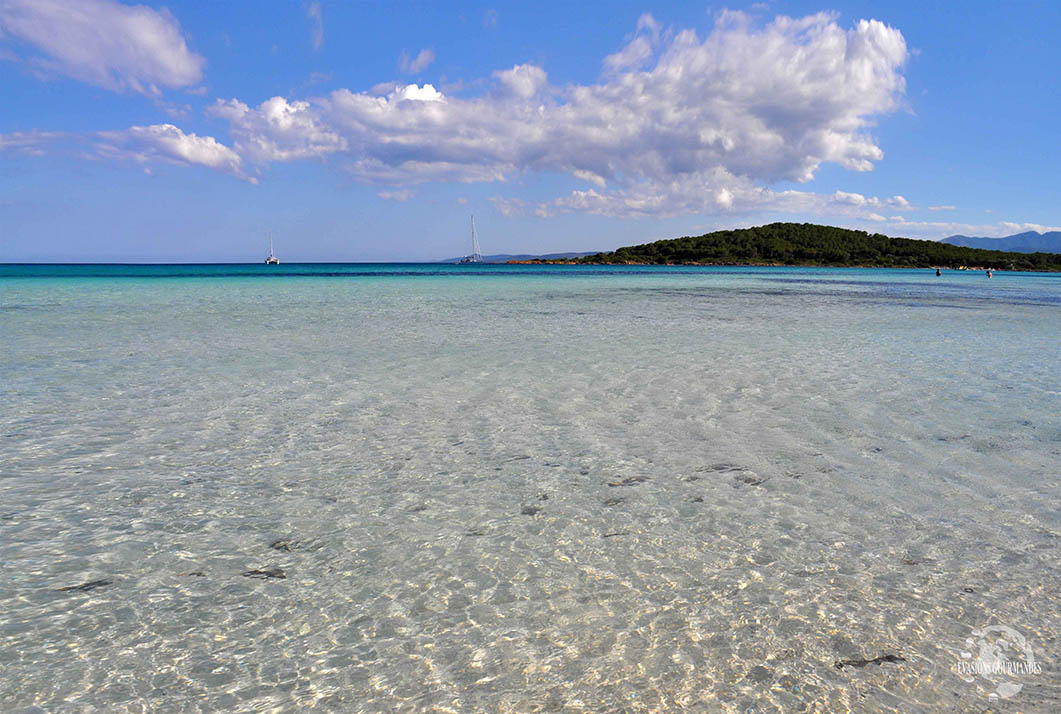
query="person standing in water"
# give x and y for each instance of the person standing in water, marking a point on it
(989, 272)
(938, 273)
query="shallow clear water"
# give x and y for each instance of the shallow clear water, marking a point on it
(524, 488)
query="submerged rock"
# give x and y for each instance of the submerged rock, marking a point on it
(893, 658)
(265, 574)
(85, 587)
(629, 481)
(720, 468)
(759, 674)
(531, 510)
(748, 478)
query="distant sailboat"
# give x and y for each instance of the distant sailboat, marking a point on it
(477, 255)
(272, 259)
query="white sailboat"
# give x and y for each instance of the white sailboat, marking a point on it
(272, 259)
(477, 254)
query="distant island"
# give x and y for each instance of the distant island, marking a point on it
(807, 244)
(521, 257)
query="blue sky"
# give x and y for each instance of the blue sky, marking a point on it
(371, 131)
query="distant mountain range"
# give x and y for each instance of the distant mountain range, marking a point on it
(1030, 242)
(505, 257)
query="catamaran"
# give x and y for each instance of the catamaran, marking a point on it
(272, 259)
(477, 255)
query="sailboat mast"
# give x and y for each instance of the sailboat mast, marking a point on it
(476, 253)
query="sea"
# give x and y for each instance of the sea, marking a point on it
(528, 488)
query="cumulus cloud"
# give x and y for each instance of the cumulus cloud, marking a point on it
(102, 42)
(677, 124)
(316, 22)
(167, 143)
(412, 65)
(522, 81)
(278, 130)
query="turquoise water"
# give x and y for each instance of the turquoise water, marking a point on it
(524, 488)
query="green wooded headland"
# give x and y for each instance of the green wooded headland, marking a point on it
(810, 244)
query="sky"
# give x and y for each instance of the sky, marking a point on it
(372, 131)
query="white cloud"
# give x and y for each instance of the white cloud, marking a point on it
(509, 207)
(316, 19)
(522, 81)
(704, 125)
(718, 192)
(649, 24)
(639, 49)
(403, 195)
(635, 54)
(165, 142)
(857, 199)
(942, 208)
(852, 199)
(590, 177)
(118, 47)
(414, 92)
(29, 142)
(278, 130)
(416, 64)
(1039, 228)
